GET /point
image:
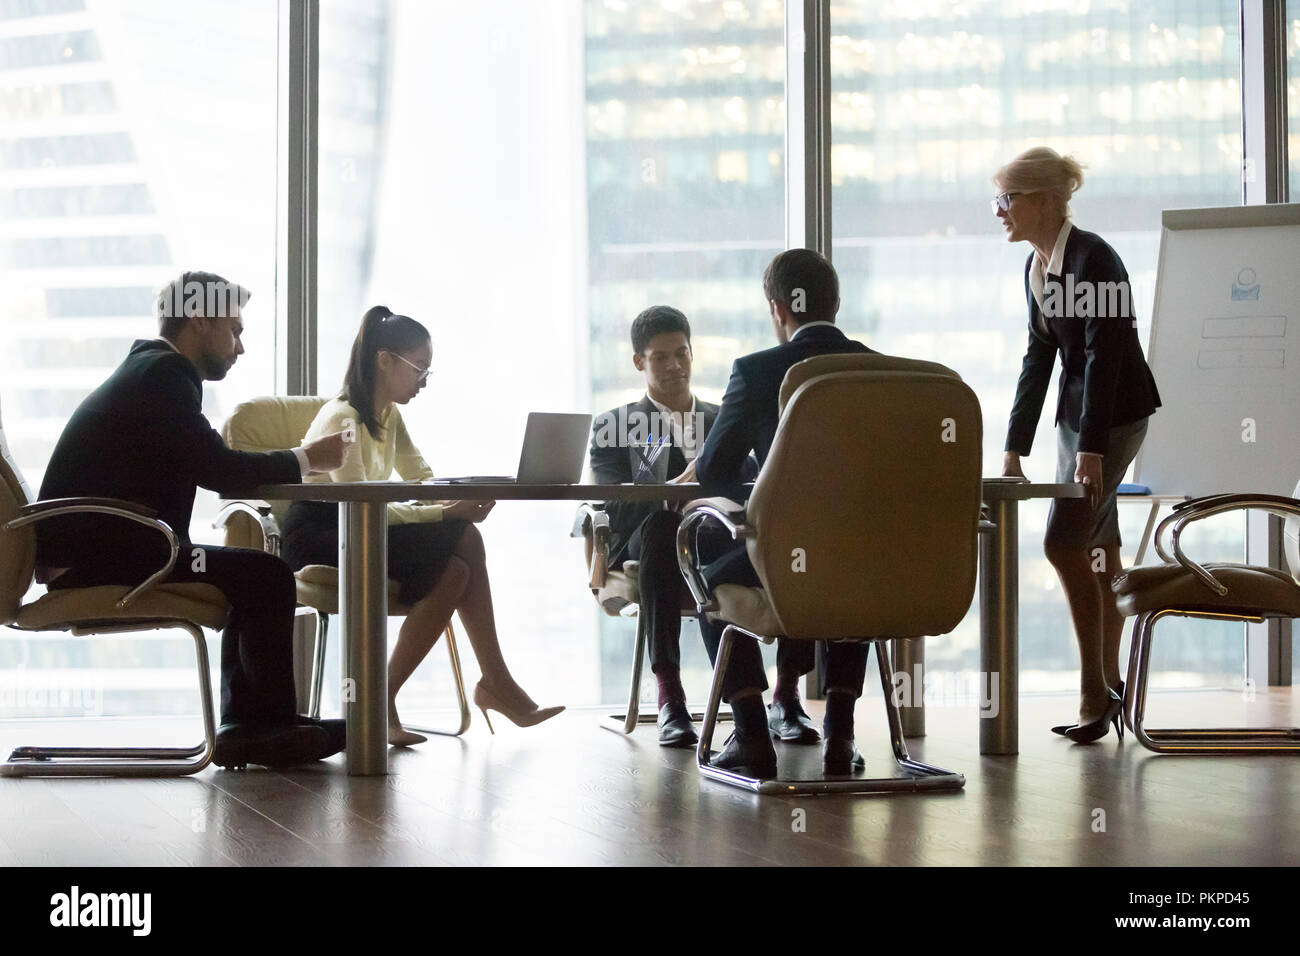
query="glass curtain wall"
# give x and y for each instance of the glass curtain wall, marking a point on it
(606, 156)
(138, 140)
(928, 100)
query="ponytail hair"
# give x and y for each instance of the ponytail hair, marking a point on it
(380, 330)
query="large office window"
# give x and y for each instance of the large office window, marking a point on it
(928, 100)
(139, 139)
(1293, 98)
(524, 179)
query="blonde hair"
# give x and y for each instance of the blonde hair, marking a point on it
(1042, 169)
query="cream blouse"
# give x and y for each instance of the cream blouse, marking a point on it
(368, 459)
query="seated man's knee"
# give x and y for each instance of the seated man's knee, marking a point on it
(662, 523)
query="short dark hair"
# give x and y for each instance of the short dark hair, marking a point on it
(196, 294)
(805, 282)
(657, 320)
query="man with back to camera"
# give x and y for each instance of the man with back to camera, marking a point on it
(647, 533)
(141, 436)
(803, 296)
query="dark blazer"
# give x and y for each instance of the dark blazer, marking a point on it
(612, 465)
(1105, 380)
(748, 417)
(142, 436)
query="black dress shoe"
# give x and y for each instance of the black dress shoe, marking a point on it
(789, 724)
(840, 755)
(675, 728)
(752, 752)
(239, 744)
(335, 727)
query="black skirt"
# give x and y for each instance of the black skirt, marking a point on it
(417, 553)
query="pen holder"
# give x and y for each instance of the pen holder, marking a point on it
(649, 462)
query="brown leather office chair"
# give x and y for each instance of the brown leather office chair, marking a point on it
(862, 526)
(101, 610)
(1180, 587)
(271, 424)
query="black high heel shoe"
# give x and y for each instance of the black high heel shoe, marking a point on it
(1062, 728)
(1095, 730)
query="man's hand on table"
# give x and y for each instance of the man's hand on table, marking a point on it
(326, 453)
(687, 475)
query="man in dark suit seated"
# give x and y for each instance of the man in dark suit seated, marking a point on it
(803, 296)
(647, 533)
(141, 436)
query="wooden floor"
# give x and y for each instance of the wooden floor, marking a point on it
(569, 792)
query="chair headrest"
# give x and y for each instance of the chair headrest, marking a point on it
(866, 512)
(271, 423)
(801, 372)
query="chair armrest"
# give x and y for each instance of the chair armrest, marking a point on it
(592, 524)
(40, 510)
(259, 511)
(727, 513)
(1198, 509)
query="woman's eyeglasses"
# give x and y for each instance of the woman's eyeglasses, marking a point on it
(423, 373)
(1003, 203)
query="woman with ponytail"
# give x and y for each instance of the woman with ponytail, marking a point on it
(435, 551)
(1080, 306)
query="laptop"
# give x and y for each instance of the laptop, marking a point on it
(555, 447)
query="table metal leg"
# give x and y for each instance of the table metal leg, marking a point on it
(999, 630)
(909, 659)
(363, 616)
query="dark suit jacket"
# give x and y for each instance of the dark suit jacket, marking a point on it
(748, 417)
(1105, 380)
(142, 436)
(612, 465)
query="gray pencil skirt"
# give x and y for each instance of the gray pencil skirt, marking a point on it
(1071, 522)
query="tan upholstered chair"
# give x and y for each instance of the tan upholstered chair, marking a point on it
(862, 526)
(619, 595)
(271, 424)
(1181, 587)
(101, 610)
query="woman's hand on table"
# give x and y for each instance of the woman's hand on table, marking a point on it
(1087, 471)
(466, 510)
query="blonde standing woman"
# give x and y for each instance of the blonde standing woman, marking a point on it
(1080, 307)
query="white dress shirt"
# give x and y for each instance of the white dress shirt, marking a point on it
(684, 436)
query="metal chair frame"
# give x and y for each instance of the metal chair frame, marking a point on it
(1190, 740)
(43, 761)
(631, 717)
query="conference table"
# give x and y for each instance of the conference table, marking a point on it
(363, 586)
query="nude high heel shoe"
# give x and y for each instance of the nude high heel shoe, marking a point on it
(521, 713)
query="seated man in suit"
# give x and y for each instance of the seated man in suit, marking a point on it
(647, 533)
(803, 295)
(141, 436)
